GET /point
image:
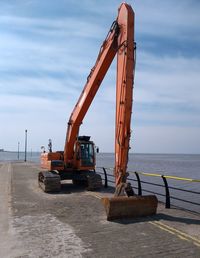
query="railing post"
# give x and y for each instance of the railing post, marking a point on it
(139, 184)
(167, 195)
(106, 179)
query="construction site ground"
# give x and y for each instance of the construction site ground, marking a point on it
(73, 223)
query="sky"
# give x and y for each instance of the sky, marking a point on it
(48, 47)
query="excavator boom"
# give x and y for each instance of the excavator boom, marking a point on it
(124, 90)
(120, 41)
(106, 55)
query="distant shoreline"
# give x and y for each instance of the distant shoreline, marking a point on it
(130, 153)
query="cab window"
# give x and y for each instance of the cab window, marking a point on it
(87, 154)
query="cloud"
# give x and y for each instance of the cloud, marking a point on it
(165, 139)
(166, 19)
(47, 51)
(168, 78)
(59, 27)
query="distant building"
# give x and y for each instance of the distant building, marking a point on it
(1, 150)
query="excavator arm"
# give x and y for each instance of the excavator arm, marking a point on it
(120, 41)
(124, 90)
(106, 55)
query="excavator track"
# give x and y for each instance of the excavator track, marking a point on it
(90, 180)
(94, 182)
(49, 181)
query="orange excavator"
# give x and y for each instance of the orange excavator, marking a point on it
(77, 161)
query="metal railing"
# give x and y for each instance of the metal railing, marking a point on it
(140, 185)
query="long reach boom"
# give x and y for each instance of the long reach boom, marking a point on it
(120, 41)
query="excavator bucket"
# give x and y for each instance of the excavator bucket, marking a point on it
(122, 207)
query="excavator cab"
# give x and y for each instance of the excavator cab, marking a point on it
(84, 154)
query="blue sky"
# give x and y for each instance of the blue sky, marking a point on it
(47, 49)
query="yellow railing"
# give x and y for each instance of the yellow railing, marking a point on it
(169, 177)
(163, 177)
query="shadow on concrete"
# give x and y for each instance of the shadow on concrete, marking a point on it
(162, 216)
(67, 187)
(157, 217)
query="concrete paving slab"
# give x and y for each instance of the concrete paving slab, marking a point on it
(73, 224)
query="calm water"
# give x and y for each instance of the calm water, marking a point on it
(180, 165)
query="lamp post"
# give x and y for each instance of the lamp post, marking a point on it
(25, 145)
(18, 151)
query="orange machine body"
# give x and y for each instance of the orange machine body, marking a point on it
(47, 161)
(84, 158)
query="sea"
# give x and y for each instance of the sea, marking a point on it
(179, 165)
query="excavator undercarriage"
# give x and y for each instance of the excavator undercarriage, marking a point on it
(50, 181)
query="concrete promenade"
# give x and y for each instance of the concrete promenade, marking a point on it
(73, 223)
